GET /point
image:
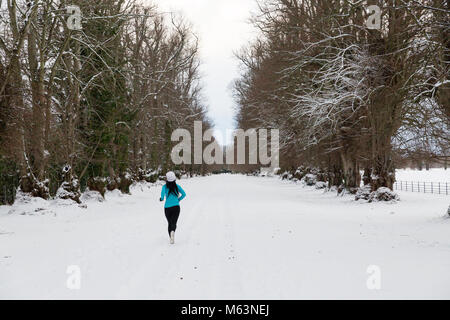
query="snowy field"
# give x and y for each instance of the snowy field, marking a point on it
(239, 238)
(432, 175)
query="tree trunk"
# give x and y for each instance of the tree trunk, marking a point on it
(37, 130)
(383, 173)
(352, 176)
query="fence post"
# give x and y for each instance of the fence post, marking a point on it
(439, 188)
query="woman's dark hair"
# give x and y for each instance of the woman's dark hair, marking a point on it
(173, 188)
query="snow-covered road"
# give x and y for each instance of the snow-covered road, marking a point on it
(239, 238)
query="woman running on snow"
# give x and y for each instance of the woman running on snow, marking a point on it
(171, 192)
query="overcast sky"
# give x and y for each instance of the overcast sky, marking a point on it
(222, 26)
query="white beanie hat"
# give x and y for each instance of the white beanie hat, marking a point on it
(171, 176)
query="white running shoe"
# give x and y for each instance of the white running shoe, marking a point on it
(172, 237)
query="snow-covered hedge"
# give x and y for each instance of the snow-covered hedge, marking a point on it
(310, 179)
(91, 196)
(97, 184)
(382, 194)
(29, 184)
(69, 190)
(307, 175)
(363, 193)
(286, 176)
(321, 185)
(148, 175)
(323, 179)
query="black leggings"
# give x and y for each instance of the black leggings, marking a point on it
(172, 215)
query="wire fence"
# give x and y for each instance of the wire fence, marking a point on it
(423, 187)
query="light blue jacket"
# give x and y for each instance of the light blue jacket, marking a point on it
(171, 199)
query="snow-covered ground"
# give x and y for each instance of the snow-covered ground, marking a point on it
(432, 175)
(239, 237)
